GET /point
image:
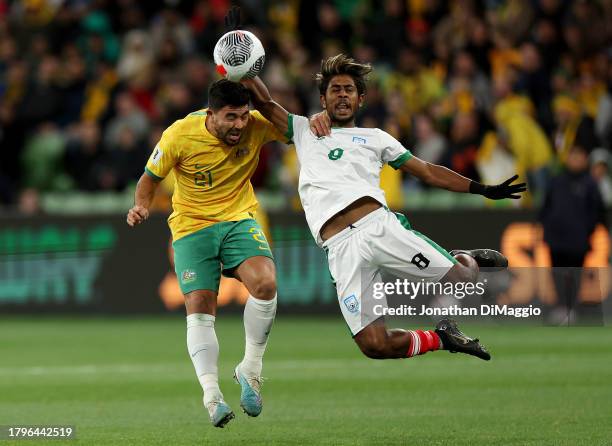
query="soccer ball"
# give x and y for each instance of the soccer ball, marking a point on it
(239, 54)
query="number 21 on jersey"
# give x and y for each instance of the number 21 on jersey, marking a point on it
(203, 177)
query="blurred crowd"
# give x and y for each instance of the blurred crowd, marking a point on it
(487, 88)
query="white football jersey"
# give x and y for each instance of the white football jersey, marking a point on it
(339, 169)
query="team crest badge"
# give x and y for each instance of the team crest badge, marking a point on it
(157, 154)
(351, 303)
(188, 276)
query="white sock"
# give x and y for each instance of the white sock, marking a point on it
(258, 318)
(203, 349)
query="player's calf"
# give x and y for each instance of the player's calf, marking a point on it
(378, 342)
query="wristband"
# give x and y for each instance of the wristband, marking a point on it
(477, 188)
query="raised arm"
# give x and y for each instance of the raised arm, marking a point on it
(267, 106)
(439, 176)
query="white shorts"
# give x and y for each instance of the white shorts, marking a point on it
(378, 243)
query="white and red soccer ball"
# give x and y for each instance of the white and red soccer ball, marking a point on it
(239, 54)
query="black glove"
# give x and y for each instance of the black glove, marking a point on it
(501, 191)
(232, 18)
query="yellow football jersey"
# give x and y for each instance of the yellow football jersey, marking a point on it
(211, 179)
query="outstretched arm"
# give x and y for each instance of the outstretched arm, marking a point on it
(439, 176)
(268, 107)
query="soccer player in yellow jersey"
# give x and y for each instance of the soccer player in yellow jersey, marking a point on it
(213, 153)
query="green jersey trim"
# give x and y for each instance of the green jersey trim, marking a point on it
(397, 163)
(289, 134)
(152, 175)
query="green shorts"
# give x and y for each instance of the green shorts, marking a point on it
(199, 257)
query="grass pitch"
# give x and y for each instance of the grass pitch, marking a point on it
(130, 382)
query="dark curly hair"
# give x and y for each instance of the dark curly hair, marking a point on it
(342, 64)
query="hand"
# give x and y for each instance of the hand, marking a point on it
(232, 18)
(320, 124)
(137, 215)
(500, 191)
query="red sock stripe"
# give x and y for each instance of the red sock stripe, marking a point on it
(423, 342)
(414, 343)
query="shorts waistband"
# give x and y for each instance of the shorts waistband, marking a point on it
(355, 227)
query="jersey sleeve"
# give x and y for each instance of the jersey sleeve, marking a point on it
(163, 159)
(268, 131)
(297, 127)
(393, 152)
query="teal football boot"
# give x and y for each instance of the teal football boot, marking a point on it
(250, 396)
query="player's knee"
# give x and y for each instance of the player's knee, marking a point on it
(201, 301)
(467, 261)
(265, 287)
(464, 271)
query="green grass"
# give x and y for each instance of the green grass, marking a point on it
(130, 382)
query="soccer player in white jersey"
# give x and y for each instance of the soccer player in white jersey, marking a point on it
(346, 211)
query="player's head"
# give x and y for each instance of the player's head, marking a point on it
(228, 110)
(342, 86)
